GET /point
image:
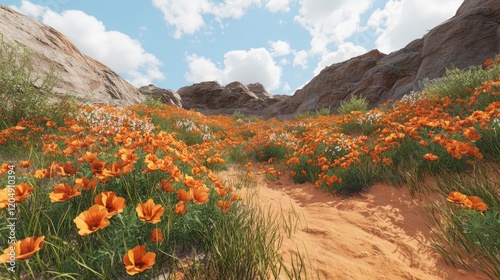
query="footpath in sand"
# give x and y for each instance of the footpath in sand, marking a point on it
(378, 235)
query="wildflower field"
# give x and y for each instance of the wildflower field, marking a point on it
(98, 192)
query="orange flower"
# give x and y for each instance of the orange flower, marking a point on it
(456, 197)
(471, 134)
(200, 194)
(476, 203)
(25, 163)
(137, 260)
(63, 192)
(22, 249)
(156, 235)
(86, 184)
(114, 204)
(92, 220)
(430, 157)
(150, 212)
(185, 196)
(224, 205)
(180, 208)
(166, 186)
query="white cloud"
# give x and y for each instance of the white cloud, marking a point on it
(344, 52)
(109, 47)
(300, 59)
(185, 16)
(254, 65)
(278, 5)
(400, 22)
(330, 21)
(280, 48)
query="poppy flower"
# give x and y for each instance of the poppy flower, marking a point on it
(456, 197)
(166, 186)
(63, 192)
(180, 208)
(185, 196)
(224, 205)
(156, 235)
(150, 212)
(200, 194)
(476, 203)
(137, 260)
(92, 220)
(25, 163)
(24, 249)
(86, 184)
(430, 157)
(114, 204)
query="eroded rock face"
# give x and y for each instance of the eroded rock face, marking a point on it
(81, 75)
(166, 96)
(213, 98)
(468, 38)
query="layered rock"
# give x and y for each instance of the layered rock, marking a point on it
(213, 98)
(81, 75)
(165, 96)
(468, 38)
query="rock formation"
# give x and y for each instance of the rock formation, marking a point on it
(213, 98)
(166, 96)
(468, 38)
(81, 75)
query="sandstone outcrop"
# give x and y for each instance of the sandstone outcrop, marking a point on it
(468, 38)
(213, 98)
(81, 75)
(166, 96)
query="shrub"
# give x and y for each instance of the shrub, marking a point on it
(24, 92)
(353, 104)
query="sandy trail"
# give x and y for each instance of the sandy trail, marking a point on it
(378, 235)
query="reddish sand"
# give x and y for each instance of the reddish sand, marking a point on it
(378, 235)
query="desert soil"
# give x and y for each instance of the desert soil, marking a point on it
(378, 235)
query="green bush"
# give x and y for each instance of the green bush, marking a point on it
(355, 103)
(24, 92)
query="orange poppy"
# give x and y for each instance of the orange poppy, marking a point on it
(25, 163)
(166, 186)
(476, 203)
(180, 208)
(114, 204)
(150, 212)
(92, 220)
(63, 192)
(456, 197)
(156, 235)
(86, 184)
(200, 194)
(430, 157)
(137, 260)
(224, 205)
(24, 249)
(185, 196)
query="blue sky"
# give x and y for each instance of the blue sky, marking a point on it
(282, 44)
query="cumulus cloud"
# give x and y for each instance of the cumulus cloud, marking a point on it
(278, 5)
(254, 65)
(187, 17)
(300, 59)
(331, 21)
(115, 49)
(344, 52)
(400, 22)
(280, 48)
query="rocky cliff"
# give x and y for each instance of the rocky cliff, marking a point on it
(468, 38)
(81, 75)
(213, 98)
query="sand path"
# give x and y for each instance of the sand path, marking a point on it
(378, 235)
